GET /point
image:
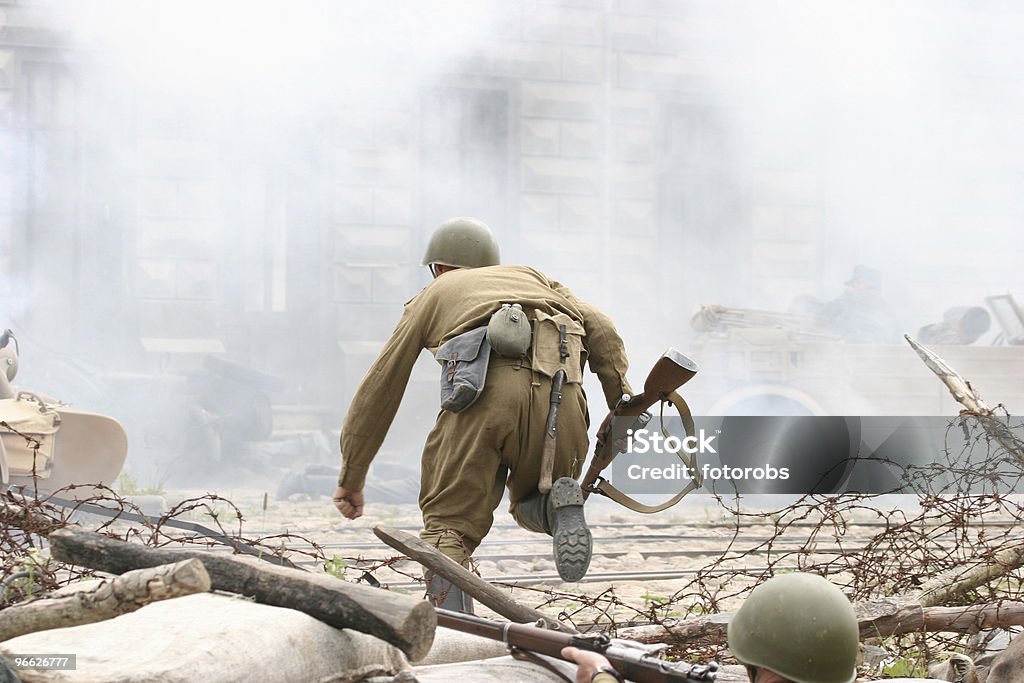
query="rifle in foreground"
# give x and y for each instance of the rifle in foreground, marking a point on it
(672, 371)
(633, 664)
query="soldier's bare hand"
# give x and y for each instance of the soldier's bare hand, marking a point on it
(589, 663)
(605, 430)
(348, 502)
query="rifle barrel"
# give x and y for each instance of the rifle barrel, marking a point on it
(469, 623)
(634, 664)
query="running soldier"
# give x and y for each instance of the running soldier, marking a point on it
(502, 333)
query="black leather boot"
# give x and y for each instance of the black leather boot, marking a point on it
(572, 542)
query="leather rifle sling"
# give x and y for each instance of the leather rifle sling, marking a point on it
(605, 488)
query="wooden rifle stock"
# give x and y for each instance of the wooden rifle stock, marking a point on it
(672, 371)
(633, 663)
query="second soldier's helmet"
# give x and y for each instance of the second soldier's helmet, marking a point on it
(464, 243)
(866, 277)
(800, 626)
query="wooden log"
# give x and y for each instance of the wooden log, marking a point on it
(713, 626)
(948, 585)
(967, 619)
(969, 398)
(404, 621)
(442, 565)
(111, 598)
(900, 618)
(961, 389)
(876, 619)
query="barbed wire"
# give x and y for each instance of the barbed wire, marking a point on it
(960, 512)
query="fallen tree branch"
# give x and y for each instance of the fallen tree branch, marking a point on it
(442, 565)
(951, 584)
(876, 619)
(113, 597)
(968, 397)
(711, 626)
(961, 389)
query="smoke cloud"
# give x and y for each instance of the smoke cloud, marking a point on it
(739, 153)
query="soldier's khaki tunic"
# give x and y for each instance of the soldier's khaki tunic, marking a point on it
(468, 456)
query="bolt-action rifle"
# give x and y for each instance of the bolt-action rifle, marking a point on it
(672, 371)
(634, 664)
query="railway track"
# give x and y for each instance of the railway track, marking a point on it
(490, 558)
(704, 527)
(525, 580)
(598, 540)
(514, 557)
(492, 549)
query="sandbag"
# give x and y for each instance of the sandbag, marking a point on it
(212, 638)
(496, 670)
(959, 668)
(1008, 665)
(87, 449)
(28, 429)
(451, 646)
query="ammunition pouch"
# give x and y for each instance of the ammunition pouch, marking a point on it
(28, 435)
(552, 352)
(464, 361)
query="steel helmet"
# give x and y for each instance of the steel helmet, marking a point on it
(464, 243)
(800, 626)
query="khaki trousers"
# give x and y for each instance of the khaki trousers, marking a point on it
(470, 457)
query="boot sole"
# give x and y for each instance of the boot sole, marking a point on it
(572, 541)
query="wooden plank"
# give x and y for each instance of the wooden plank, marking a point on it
(442, 565)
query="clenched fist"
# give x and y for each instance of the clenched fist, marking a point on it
(348, 502)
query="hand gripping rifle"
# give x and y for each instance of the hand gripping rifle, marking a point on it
(525, 642)
(672, 371)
